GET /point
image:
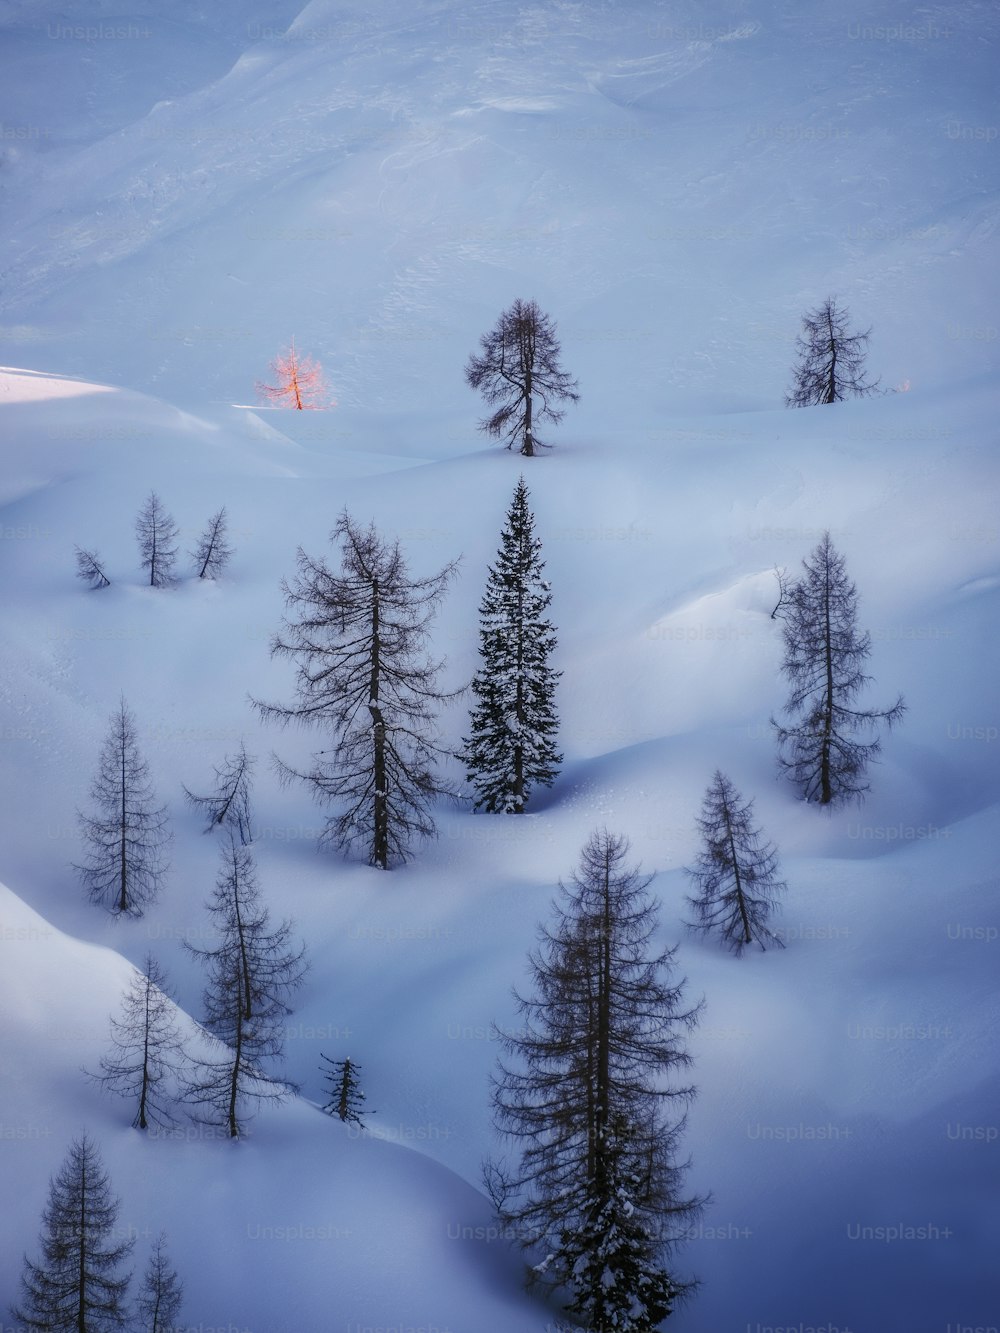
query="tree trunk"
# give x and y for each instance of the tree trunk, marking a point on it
(826, 793)
(519, 710)
(247, 1000)
(145, 1060)
(831, 384)
(603, 1110)
(234, 1082)
(380, 834)
(527, 349)
(736, 872)
(123, 844)
(81, 1299)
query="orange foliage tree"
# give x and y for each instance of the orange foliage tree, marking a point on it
(300, 382)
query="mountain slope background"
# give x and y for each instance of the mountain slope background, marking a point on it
(675, 188)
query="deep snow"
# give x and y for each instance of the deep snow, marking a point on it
(380, 183)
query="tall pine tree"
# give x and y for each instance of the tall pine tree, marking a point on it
(514, 722)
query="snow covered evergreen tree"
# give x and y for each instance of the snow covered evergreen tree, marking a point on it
(126, 838)
(147, 1054)
(608, 1252)
(358, 641)
(229, 804)
(519, 362)
(156, 533)
(831, 364)
(824, 655)
(161, 1294)
(90, 569)
(514, 722)
(587, 1095)
(344, 1086)
(736, 873)
(213, 551)
(251, 973)
(78, 1285)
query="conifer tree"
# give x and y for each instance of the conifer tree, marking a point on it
(213, 551)
(126, 838)
(156, 533)
(736, 874)
(519, 363)
(344, 1086)
(514, 722)
(161, 1295)
(358, 640)
(824, 655)
(831, 364)
(228, 806)
(90, 569)
(147, 1053)
(587, 1094)
(78, 1285)
(251, 973)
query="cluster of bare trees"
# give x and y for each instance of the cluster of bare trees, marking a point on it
(157, 534)
(79, 1281)
(517, 371)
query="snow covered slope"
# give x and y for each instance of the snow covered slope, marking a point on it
(675, 187)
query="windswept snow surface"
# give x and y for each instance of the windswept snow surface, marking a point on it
(675, 187)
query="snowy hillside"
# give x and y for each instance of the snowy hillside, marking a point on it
(675, 188)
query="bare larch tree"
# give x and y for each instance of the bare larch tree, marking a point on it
(819, 749)
(90, 569)
(127, 837)
(213, 551)
(161, 1294)
(300, 383)
(251, 973)
(77, 1286)
(735, 873)
(517, 365)
(156, 533)
(831, 365)
(358, 639)
(147, 1054)
(228, 806)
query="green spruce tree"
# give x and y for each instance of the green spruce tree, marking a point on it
(514, 722)
(615, 1238)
